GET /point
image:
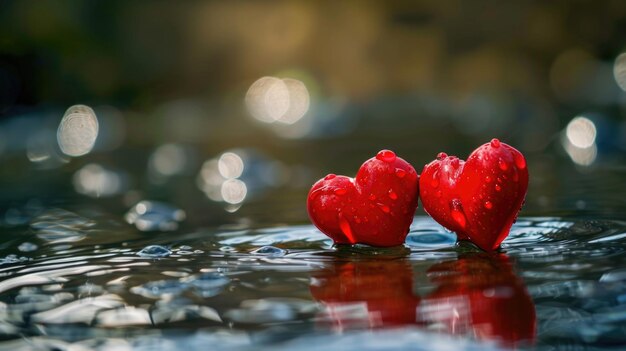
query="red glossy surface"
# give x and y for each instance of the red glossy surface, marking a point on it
(477, 295)
(480, 198)
(366, 294)
(480, 295)
(375, 208)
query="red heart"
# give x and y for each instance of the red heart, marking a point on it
(480, 198)
(375, 208)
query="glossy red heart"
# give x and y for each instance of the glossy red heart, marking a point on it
(375, 208)
(480, 198)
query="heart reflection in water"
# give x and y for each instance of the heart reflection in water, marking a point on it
(476, 295)
(366, 294)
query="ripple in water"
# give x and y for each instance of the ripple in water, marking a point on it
(59, 226)
(289, 288)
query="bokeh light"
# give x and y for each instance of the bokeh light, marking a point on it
(149, 215)
(619, 71)
(96, 181)
(582, 156)
(581, 132)
(233, 191)
(270, 100)
(230, 165)
(210, 180)
(78, 131)
(219, 178)
(170, 160)
(579, 141)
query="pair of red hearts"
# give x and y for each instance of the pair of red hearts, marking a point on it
(478, 199)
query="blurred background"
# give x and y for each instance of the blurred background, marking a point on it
(227, 112)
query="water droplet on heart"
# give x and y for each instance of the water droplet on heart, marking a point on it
(372, 197)
(488, 205)
(498, 187)
(357, 219)
(384, 208)
(487, 179)
(454, 162)
(495, 143)
(340, 192)
(393, 195)
(330, 176)
(386, 156)
(400, 172)
(441, 156)
(345, 229)
(520, 162)
(434, 182)
(315, 193)
(456, 211)
(503, 166)
(438, 193)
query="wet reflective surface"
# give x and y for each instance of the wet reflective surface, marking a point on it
(154, 173)
(164, 243)
(88, 280)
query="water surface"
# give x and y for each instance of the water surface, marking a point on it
(88, 280)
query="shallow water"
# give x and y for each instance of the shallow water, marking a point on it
(85, 279)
